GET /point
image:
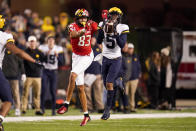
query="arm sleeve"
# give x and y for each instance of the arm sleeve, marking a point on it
(100, 36)
(94, 26)
(121, 40)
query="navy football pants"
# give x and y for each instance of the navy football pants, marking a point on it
(5, 90)
(110, 69)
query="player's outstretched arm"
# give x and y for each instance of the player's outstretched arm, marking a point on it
(100, 36)
(10, 46)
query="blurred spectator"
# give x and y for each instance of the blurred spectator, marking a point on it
(12, 68)
(93, 81)
(33, 73)
(54, 56)
(133, 70)
(21, 43)
(154, 79)
(47, 25)
(55, 21)
(166, 79)
(36, 21)
(63, 17)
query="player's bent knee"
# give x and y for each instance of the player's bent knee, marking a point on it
(80, 88)
(73, 76)
(7, 103)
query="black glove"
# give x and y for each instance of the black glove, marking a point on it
(40, 64)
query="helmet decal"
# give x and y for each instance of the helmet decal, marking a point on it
(81, 13)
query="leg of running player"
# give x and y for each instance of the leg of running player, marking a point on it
(5, 107)
(83, 102)
(82, 97)
(113, 70)
(71, 86)
(70, 89)
(6, 97)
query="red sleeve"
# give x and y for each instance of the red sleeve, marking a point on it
(94, 26)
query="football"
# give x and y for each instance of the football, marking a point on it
(109, 28)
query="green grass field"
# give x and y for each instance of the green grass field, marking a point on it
(171, 124)
(149, 124)
(75, 111)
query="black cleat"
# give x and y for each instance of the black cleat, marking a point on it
(23, 112)
(105, 115)
(39, 113)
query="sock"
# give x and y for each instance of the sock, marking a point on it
(1, 118)
(66, 104)
(86, 114)
(110, 96)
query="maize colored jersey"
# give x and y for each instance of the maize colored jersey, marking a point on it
(82, 45)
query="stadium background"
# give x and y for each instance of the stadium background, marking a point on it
(163, 15)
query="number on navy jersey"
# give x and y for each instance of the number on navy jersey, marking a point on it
(110, 42)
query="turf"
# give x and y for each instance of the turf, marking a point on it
(75, 111)
(155, 124)
(166, 124)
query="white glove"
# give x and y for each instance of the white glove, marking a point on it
(23, 78)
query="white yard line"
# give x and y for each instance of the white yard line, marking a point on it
(97, 117)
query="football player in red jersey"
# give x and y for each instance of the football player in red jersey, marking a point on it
(80, 33)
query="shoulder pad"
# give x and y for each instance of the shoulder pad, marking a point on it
(122, 28)
(59, 49)
(100, 25)
(9, 37)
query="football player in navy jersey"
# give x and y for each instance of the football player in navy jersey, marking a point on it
(113, 36)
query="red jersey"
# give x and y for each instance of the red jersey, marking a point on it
(82, 45)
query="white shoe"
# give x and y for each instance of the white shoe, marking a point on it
(17, 112)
